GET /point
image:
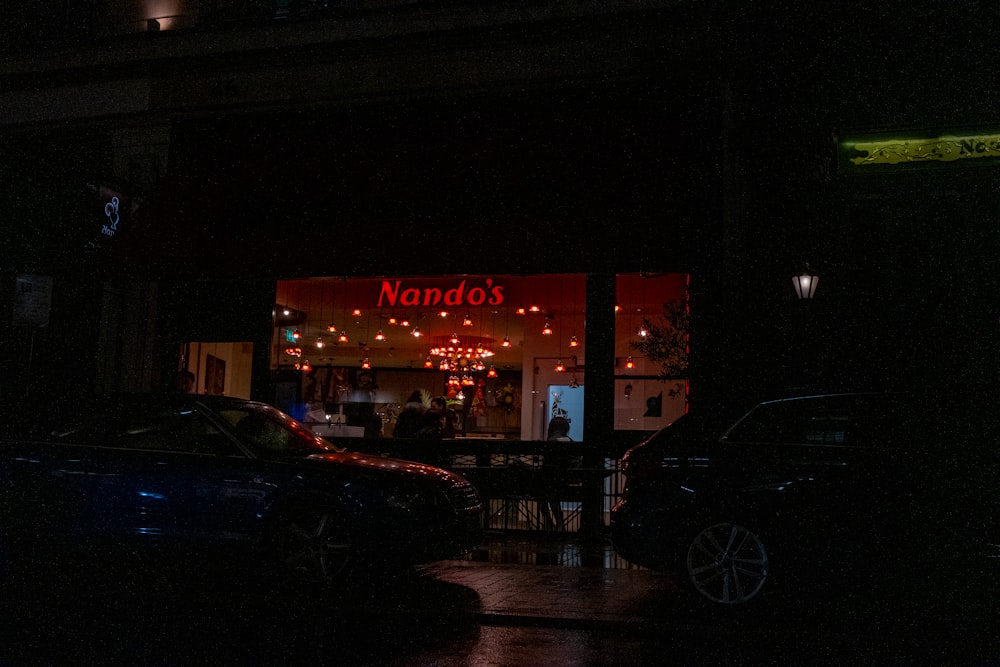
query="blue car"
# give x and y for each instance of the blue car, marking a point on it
(217, 474)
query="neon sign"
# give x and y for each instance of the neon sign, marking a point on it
(111, 213)
(394, 293)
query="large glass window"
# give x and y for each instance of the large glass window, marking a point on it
(505, 352)
(651, 349)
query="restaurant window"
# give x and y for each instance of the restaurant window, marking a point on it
(505, 351)
(219, 369)
(651, 349)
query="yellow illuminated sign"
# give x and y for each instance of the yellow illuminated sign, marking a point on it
(911, 151)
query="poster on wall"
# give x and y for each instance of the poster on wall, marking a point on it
(32, 301)
(215, 375)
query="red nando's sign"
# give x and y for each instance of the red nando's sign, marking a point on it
(394, 293)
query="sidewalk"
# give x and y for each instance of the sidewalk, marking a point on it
(554, 595)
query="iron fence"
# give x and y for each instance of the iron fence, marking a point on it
(525, 486)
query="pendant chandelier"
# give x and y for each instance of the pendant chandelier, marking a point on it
(456, 352)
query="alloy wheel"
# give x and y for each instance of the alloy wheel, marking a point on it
(315, 545)
(727, 564)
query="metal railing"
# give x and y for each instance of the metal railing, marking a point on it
(525, 486)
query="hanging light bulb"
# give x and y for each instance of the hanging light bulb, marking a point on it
(428, 363)
(559, 367)
(392, 320)
(460, 395)
(443, 366)
(356, 312)
(404, 323)
(380, 336)
(547, 329)
(534, 309)
(519, 311)
(492, 373)
(306, 366)
(629, 363)
(343, 337)
(365, 363)
(506, 342)
(331, 328)
(573, 342)
(416, 333)
(443, 313)
(467, 322)
(643, 332)
(297, 334)
(455, 340)
(319, 342)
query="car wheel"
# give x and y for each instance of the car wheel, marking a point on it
(727, 564)
(314, 544)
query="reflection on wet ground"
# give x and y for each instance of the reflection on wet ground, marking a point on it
(549, 548)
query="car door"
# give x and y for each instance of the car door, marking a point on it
(807, 471)
(169, 472)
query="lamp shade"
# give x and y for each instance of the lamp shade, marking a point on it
(805, 285)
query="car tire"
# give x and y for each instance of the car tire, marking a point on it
(314, 543)
(726, 564)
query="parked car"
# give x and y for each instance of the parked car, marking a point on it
(806, 494)
(209, 472)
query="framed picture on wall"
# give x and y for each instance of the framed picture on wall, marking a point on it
(215, 375)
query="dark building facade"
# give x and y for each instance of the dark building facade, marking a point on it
(165, 174)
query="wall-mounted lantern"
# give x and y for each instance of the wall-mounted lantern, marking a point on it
(805, 284)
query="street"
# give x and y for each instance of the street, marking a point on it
(154, 614)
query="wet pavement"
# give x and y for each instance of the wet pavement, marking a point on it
(557, 580)
(449, 612)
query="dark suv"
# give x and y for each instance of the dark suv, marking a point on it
(813, 492)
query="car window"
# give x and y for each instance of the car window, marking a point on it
(269, 433)
(170, 430)
(134, 425)
(833, 420)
